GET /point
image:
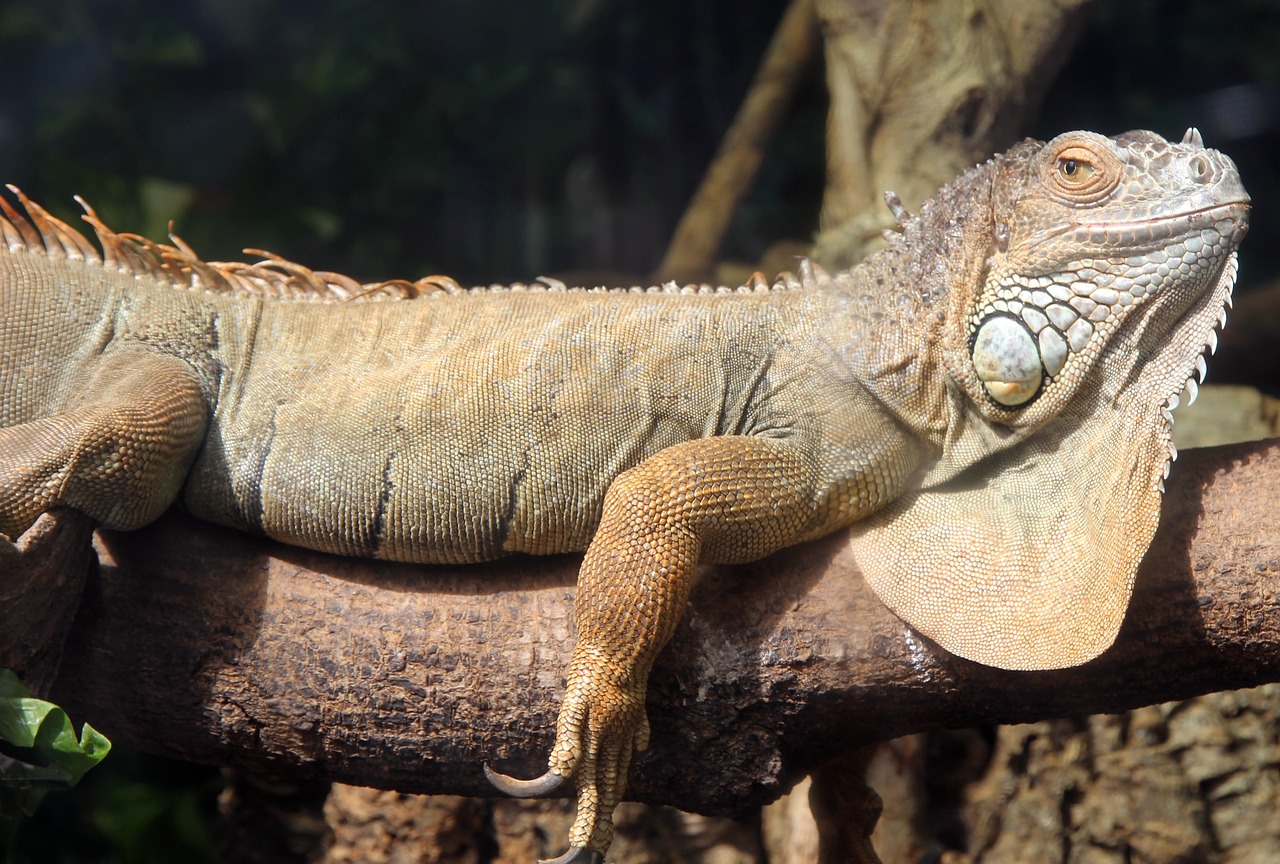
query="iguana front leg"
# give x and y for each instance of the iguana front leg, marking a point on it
(119, 454)
(712, 500)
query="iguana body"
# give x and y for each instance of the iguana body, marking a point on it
(963, 383)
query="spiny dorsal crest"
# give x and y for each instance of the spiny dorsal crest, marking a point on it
(34, 229)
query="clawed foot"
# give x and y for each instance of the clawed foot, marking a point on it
(601, 725)
(541, 787)
(544, 787)
(577, 855)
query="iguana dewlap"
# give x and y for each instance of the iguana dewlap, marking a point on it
(990, 396)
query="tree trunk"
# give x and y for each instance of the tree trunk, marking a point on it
(695, 244)
(920, 91)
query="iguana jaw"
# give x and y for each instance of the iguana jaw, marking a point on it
(1161, 228)
(1027, 559)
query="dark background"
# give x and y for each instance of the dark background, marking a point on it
(492, 141)
(495, 141)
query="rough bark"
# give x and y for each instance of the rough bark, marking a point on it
(372, 826)
(845, 809)
(440, 829)
(207, 645)
(1192, 781)
(41, 580)
(920, 91)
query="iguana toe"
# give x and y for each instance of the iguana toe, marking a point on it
(577, 855)
(539, 787)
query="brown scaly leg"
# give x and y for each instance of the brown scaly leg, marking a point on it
(714, 500)
(119, 456)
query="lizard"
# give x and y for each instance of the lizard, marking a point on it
(985, 403)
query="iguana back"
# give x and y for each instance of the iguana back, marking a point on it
(452, 426)
(461, 428)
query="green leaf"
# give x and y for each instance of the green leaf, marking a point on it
(39, 749)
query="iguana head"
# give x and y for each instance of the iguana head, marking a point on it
(1105, 265)
(1091, 235)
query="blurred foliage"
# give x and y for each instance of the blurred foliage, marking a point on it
(39, 753)
(495, 141)
(490, 141)
(132, 809)
(484, 140)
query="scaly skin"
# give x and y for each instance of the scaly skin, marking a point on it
(987, 396)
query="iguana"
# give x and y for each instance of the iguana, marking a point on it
(989, 395)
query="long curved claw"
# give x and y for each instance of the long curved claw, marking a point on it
(539, 787)
(577, 855)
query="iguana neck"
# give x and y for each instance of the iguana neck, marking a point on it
(899, 302)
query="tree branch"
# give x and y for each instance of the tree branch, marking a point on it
(691, 255)
(207, 645)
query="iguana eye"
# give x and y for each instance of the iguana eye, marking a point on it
(1074, 171)
(1083, 173)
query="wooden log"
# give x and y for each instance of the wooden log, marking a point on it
(204, 644)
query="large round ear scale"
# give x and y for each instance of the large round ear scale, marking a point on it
(1007, 360)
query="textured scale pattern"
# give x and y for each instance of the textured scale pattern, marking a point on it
(986, 402)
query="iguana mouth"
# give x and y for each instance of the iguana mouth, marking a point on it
(1234, 211)
(1124, 232)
